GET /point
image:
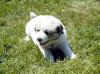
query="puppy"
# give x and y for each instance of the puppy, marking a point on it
(49, 34)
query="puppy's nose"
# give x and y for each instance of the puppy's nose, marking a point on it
(39, 39)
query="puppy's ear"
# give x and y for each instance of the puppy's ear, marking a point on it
(60, 29)
(32, 14)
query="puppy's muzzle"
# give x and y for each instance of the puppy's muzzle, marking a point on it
(52, 36)
(39, 39)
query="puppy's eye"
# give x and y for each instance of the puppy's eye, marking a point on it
(37, 30)
(46, 32)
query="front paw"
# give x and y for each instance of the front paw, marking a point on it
(50, 59)
(73, 56)
(27, 39)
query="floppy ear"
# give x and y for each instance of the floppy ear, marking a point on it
(32, 14)
(60, 29)
(34, 37)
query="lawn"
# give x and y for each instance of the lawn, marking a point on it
(82, 21)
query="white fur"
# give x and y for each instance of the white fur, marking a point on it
(35, 29)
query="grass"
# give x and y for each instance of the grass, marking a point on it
(82, 21)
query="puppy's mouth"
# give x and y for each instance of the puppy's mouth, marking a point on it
(44, 43)
(47, 41)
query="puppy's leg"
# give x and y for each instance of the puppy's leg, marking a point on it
(47, 54)
(27, 38)
(67, 51)
(27, 33)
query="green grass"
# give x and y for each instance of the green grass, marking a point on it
(82, 21)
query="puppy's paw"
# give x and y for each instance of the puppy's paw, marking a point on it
(50, 59)
(27, 38)
(73, 56)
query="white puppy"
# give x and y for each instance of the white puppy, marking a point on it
(49, 34)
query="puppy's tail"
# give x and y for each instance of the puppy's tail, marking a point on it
(32, 15)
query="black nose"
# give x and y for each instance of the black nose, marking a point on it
(39, 39)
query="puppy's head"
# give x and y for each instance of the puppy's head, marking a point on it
(48, 31)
